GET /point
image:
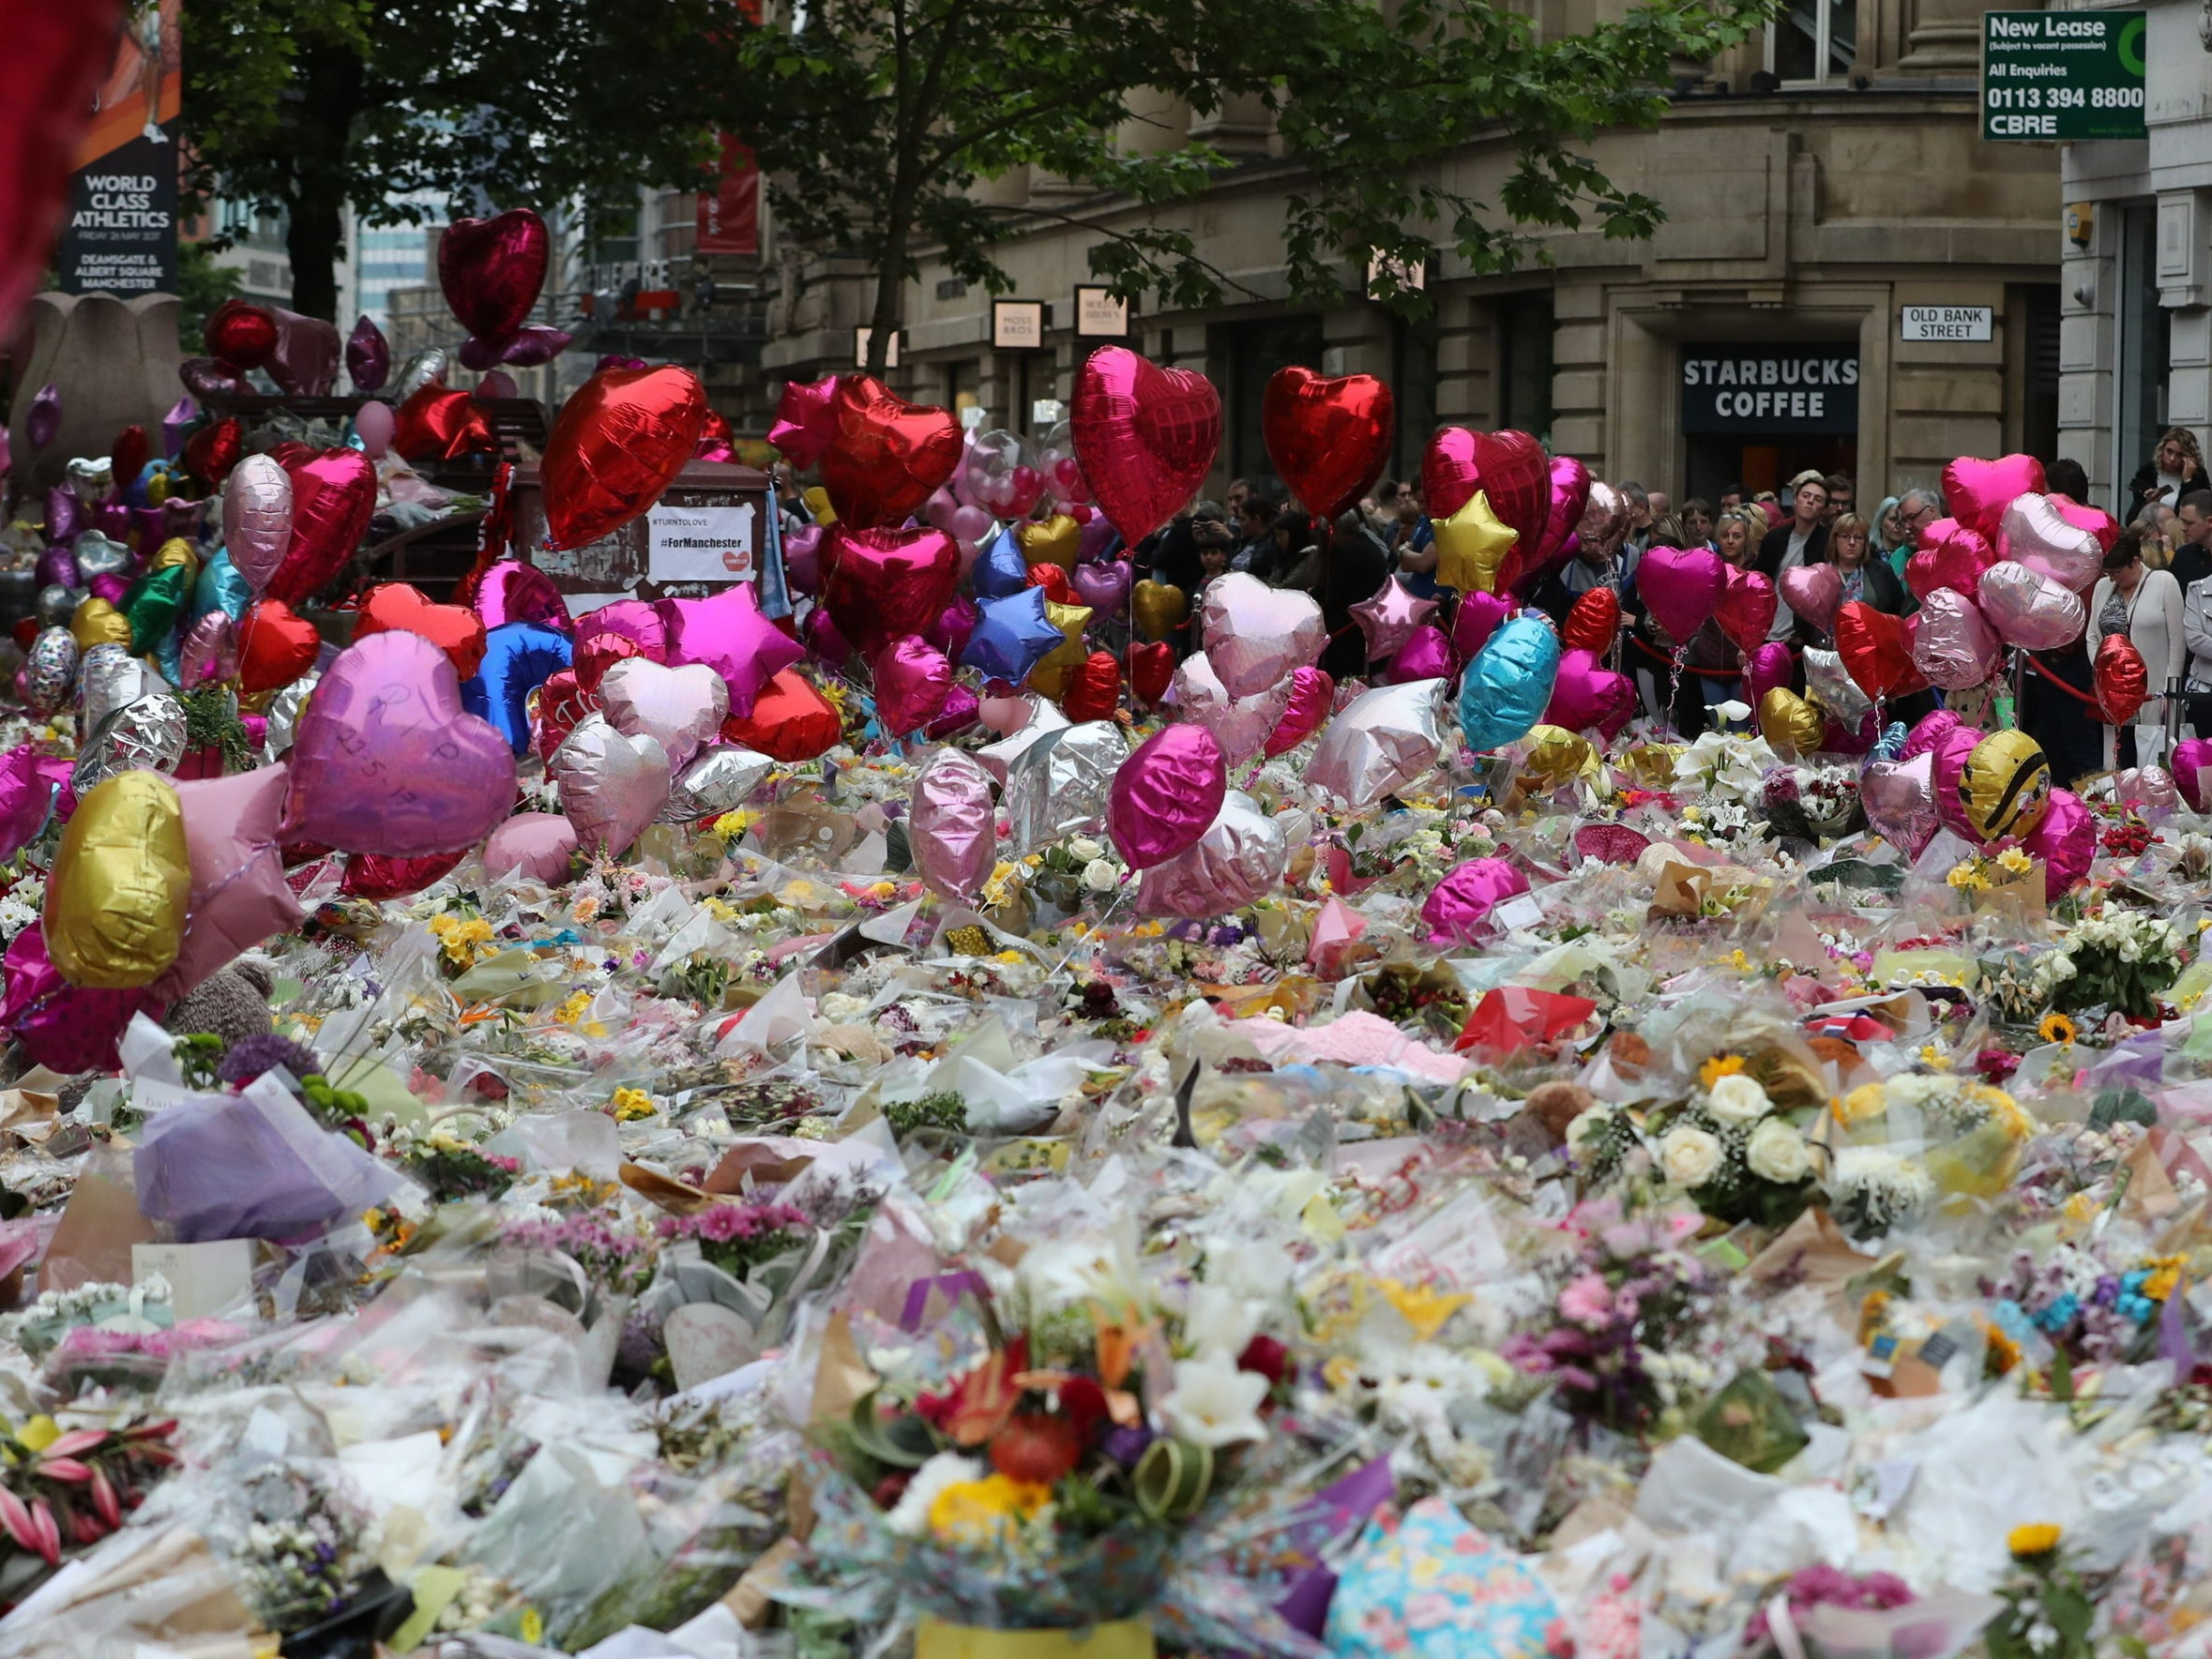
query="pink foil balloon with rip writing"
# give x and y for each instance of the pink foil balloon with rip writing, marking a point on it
(1458, 906)
(950, 826)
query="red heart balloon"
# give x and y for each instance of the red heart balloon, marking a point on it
(557, 706)
(806, 421)
(491, 270)
(458, 633)
(1145, 437)
(240, 335)
(875, 582)
(56, 58)
(1329, 439)
(1509, 467)
(598, 653)
(789, 721)
(1877, 650)
(276, 645)
(1094, 689)
(127, 456)
(1152, 670)
(210, 452)
(1950, 556)
(619, 442)
(2122, 681)
(1056, 583)
(25, 630)
(1592, 622)
(1746, 611)
(888, 456)
(437, 423)
(333, 498)
(1566, 497)
(370, 876)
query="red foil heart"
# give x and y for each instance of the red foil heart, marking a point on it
(1094, 689)
(1329, 438)
(619, 442)
(1877, 650)
(875, 582)
(888, 456)
(368, 876)
(276, 645)
(2122, 681)
(491, 270)
(210, 452)
(458, 633)
(1509, 467)
(1146, 437)
(441, 424)
(789, 721)
(1592, 622)
(1152, 670)
(240, 335)
(333, 498)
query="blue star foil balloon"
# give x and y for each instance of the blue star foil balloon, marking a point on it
(519, 657)
(1000, 572)
(1012, 635)
(1509, 684)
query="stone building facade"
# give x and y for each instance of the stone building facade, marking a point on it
(1817, 181)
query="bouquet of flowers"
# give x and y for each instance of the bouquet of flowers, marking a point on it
(1915, 1136)
(1732, 1147)
(2119, 958)
(1811, 802)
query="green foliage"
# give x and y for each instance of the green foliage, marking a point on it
(197, 1058)
(202, 285)
(873, 120)
(947, 1110)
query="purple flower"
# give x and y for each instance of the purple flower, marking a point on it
(248, 1059)
(1126, 1445)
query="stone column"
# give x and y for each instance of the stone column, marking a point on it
(1942, 37)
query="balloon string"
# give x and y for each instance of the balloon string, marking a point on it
(1675, 685)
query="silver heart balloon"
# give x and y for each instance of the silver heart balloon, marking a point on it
(110, 678)
(145, 736)
(1239, 724)
(1830, 681)
(92, 476)
(99, 556)
(1059, 784)
(428, 367)
(57, 604)
(680, 708)
(1899, 801)
(1380, 741)
(611, 786)
(721, 780)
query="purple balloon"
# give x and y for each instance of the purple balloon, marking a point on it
(617, 360)
(1165, 795)
(305, 361)
(823, 640)
(386, 761)
(42, 422)
(182, 517)
(206, 378)
(498, 383)
(1094, 538)
(367, 356)
(961, 710)
(1103, 586)
(57, 566)
(535, 344)
(955, 625)
(111, 588)
(177, 424)
(1458, 906)
(802, 558)
(64, 514)
(1425, 655)
(112, 517)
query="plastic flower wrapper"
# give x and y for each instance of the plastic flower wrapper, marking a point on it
(1426, 1580)
(1913, 1137)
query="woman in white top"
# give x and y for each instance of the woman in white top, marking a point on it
(2146, 605)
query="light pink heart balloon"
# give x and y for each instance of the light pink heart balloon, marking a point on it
(1004, 715)
(1813, 593)
(1899, 801)
(611, 786)
(950, 825)
(1585, 695)
(1682, 586)
(1255, 635)
(680, 708)
(1954, 646)
(1239, 724)
(1978, 491)
(2037, 532)
(257, 518)
(2029, 608)
(534, 845)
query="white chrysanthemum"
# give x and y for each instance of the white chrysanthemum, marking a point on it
(910, 1516)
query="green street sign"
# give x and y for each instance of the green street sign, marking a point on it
(2061, 75)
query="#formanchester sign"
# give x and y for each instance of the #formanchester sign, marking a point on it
(2061, 75)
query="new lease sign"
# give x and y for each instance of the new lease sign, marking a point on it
(2061, 75)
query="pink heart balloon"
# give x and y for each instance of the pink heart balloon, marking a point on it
(952, 824)
(1978, 491)
(2037, 532)
(1425, 655)
(1747, 608)
(830, 647)
(2098, 522)
(727, 633)
(2029, 608)
(1949, 757)
(208, 652)
(1586, 695)
(680, 708)
(64, 1027)
(954, 627)
(1165, 794)
(1682, 586)
(1312, 695)
(1767, 666)
(2064, 842)
(257, 518)
(1813, 593)
(1476, 620)
(1899, 801)
(1255, 635)
(239, 896)
(1239, 724)
(533, 845)
(880, 583)
(25, 798)
(1458, 906)
(1146, 437)
(333, 497)
(635, 620)
(1950, 556)
(1570, 499)
(1954, 646)
(611, 786)
(511, 591)
(1004, 715)
(912, 680)
(386, 762)
(802, 558)
(1928, 733)
(1103, 586)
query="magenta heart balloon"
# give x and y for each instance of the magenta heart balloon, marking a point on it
(1476, 620)
(1586, 695)
(630, 619)
(951, 826)
(1978, 491)
(1103, 586)
(2028, 609)
(954, 627)
(1459, 905)
(1255, 635)
(1164, 795)
(962, 708)
(1949, 757)
(1312, 694)
(386, 762)
(2098, 522)
(1928, 733)
(1813, 593)
(1950, 556)
(1425, 655)
(1570, 499)
(728, 633)
(912, 680)
(2037, 532)
(612, 785)
(25, 798)
(65, 1028)
(1682, 586)
(1899, 801)
(333, 498)
(1747, 609)
(511, 591)
(830, 646)
(533, 845)
(680, 708)
(1767, 666)
(1954, 647)
(2192, 765)
(2064, 842)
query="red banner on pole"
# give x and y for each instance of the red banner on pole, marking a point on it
(730, 213)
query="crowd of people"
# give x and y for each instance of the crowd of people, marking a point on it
(2157, 587)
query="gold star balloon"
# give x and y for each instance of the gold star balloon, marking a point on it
(1050, 675)
(1471, 545)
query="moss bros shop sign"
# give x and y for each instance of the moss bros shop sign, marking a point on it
(1806, 390)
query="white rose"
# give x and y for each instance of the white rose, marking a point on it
(1775, 1152)
(1738, 1100)
(1101, 877)
(1587, 1126)
(1085, 849)
(1688, 1156)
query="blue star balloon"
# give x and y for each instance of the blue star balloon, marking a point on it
(1012, 635)
(1000, 572)
(519, 657)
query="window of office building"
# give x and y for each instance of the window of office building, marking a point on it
(1252, 352)
(2147, 344)
(1813, 40)
(1525, 323)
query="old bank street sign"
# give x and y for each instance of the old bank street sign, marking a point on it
(2061, 75)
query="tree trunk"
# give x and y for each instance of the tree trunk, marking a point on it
(883, 326)
(331, 86)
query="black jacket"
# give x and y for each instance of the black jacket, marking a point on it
(2147, 475)
(1774, 547)
(1884, 591)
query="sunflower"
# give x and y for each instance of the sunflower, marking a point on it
(2056, 1028)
